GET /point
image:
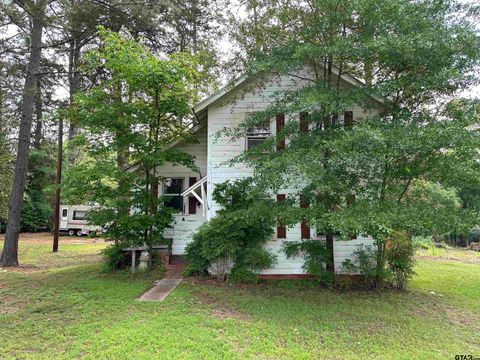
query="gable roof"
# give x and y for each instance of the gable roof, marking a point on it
(205, 103)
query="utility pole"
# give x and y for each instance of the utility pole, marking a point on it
(58, 181)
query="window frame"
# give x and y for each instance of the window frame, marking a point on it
(174, 195)
(262, 133)
(75, 217)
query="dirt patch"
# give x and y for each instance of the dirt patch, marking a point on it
(434, 306)
(47, 238)
(221, 309)
(450, 258)
(230, 314)
(8, 305)
(20, 269)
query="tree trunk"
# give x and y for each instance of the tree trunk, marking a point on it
(9, 255)
(37, 137)
(73, 79)
(329, 239)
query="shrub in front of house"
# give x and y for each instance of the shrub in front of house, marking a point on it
(400, 259)
(315, 254)
(394, 267)
(231, 245)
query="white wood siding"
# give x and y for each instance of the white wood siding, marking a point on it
(185, 225)
(343, 250)
(225, 114)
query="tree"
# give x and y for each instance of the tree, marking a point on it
(6, 167)
(9, 255)
(138, 111)
(366, 177)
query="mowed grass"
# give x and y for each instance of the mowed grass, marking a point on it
(76, 311)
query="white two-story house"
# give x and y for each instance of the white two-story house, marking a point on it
(192, 192)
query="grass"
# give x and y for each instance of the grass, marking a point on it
(53, 309)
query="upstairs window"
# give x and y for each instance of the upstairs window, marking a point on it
(257, 134)
(173, 188)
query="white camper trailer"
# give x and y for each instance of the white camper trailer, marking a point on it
(73, 220)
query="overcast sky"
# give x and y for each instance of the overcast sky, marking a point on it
(226, 46)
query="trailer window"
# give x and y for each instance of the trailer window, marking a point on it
(64, 213)
(79, 215)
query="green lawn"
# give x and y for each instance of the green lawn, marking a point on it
(53, 309)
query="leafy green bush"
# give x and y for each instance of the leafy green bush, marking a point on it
(376, 270)
(365, 264)
(422, 242)
(316, 256)
(400, 258)
(36, 215)
(113, 256)
(237, 234)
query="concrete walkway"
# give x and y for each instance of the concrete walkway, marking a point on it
(164, 287)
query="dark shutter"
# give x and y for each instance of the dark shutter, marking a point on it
(305, 229)
(304, 122)
(334, 119)
(280, 125)
(348, 119)
(281, 229)
(192, 200)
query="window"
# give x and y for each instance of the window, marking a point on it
(64, 213)
(79, 215)
(257, 134)
(173, 188)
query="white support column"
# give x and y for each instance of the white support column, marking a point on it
(204, 202)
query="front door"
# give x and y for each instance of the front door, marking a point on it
(64, 219)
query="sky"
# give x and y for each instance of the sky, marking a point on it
(225, 46)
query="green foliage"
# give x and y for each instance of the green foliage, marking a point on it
(315, 254)
(37, 210)
(6, 169)
(376, 264)
(36, 216)
(113, 256)
(422, 242)
(237, 234)
(400, 259)
(129, 121)
(402, 164)
(365, 263)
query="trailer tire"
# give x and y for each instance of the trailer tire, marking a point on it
(71, 232)
(78, 232)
